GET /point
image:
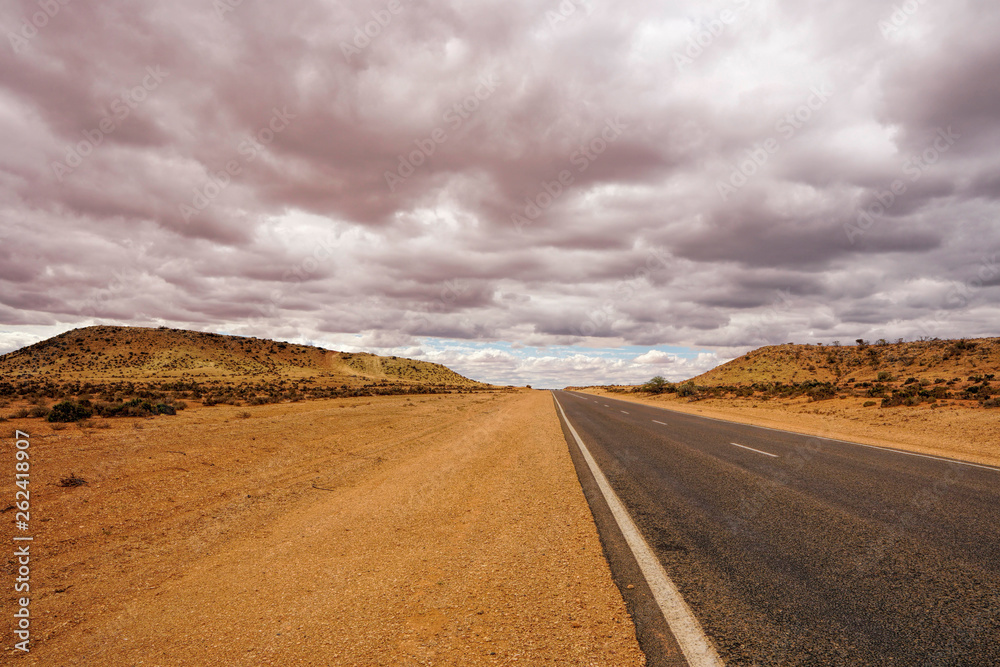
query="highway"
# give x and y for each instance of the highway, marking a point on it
(791, 549)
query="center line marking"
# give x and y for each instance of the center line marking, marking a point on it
(660, 423)
(754, 450)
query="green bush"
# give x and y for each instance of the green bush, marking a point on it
(687, 389)
(67, 411)
(655, 386)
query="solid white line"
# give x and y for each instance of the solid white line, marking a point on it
(753, 450)
(697, 648)
(942, 459)
(660, 423)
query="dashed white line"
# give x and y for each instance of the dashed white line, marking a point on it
(660, 423)
(623, 412)
(754, 450)
(695, 645)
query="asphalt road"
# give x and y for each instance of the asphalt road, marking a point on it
(796, 550)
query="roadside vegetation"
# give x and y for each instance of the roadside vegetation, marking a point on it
(888, 375)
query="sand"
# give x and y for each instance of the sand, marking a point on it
(433, 530)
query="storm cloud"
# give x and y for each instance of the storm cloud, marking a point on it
(462, 179)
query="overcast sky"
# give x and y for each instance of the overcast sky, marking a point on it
(528, 191)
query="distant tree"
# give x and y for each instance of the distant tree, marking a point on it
(836, 343)
(862, 343)
(657, 385)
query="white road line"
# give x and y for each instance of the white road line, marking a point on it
(660, 423)
(942, 459)
(697, 647)
(606, 405)
(753, 450)
(623, 412)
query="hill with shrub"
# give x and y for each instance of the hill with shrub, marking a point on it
(882, 373)
(112, 371)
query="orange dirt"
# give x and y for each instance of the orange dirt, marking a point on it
(445, 530)
(969, 433)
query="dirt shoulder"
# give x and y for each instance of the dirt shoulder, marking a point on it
(965, 433)
(446, 530)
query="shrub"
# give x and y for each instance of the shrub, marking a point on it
(869, 404)
(884, 376)
(687, 389)
(39, 412)
(68, 411)
(655, 386)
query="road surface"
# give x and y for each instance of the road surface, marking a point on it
(796, 550)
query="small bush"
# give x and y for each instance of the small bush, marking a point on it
(869, 404)
(19, 414)
(72, 480)
(39, 412)
(884, 376)
(68, 411)
(655, 386)
(687, 389)
(244, 415)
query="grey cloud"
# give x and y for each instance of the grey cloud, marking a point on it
(307, 239)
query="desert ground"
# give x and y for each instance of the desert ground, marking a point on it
(963, 431)
(426, 530)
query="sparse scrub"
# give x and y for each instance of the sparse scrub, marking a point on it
(67, 411)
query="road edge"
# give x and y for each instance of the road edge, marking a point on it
(696, 647)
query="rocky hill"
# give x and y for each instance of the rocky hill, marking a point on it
(113, 354)
(862, 362)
